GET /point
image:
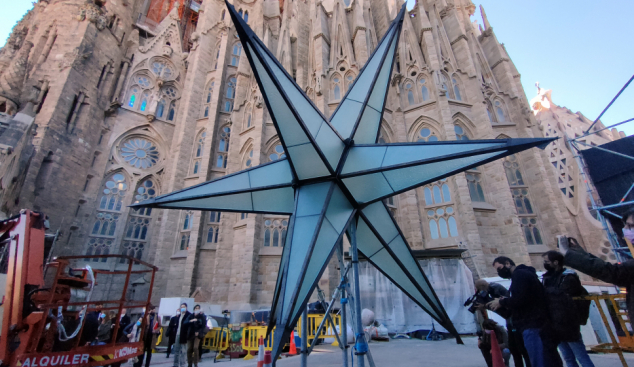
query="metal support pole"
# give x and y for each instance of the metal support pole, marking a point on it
(327, 316)
(361, 346)
(305, 338)
(344, 324)
(344, 301)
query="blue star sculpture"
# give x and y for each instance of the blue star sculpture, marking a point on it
(334, 173)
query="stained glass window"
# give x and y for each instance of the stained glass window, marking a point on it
(499, 112)
(235, 54)
(172, 111)
(223, 147)
(522, 199)
(460, 132)
(137, 232)
(107, 215)
(410, 94)
(426, 134)
(423, 89)
(275, 231)
(249, 159)
(456, 89)
(139, 152)
(277, 153)
(474, 181)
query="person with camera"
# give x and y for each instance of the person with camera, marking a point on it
(621, 275)
(566, 314)
(515, 341)
(529, 310)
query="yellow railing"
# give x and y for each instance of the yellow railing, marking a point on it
(217, 339)
(328, 331)
(619, 343)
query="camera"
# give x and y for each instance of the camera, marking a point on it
(480, 297)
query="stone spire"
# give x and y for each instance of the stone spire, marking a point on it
(12, 80)
(484, 18)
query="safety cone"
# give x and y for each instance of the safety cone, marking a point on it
(268, 360)
(261, 353)
(292, 350)
(496, 353)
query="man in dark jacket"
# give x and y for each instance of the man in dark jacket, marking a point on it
(171, 331)
(123, 323)
(527, 303)
(196, 323)
(91, 327)
(565, 282)
(182, 332)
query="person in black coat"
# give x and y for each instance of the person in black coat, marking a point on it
(196, 322)
(565, 283)
(123, 324)
(91, 327)
(528, 305)
(182, 330)
(171, 331)
(149, 335)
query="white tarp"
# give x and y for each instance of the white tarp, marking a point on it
(450, 278)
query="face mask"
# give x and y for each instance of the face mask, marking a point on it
(629, 234)
(504, 273)
(549, 267)
(138, 323)
(183, 309)
(196, 312)
(102, 316)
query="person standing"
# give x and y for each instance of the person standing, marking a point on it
(104, 331)
(171, 331)
(196, 322)
(149, 336)
(180, 343)
(562, 282)
(515, 340)
(527, 302)
(124, 322)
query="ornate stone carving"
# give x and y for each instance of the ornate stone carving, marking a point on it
(94, 14)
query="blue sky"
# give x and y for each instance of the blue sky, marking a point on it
(581, 49)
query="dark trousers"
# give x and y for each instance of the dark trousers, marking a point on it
(517, 348)
(169, 347)
(147, 350)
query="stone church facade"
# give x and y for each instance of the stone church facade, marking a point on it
(104, 103)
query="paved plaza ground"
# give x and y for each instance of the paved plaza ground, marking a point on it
(395, 353)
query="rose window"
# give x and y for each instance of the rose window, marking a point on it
(139, 153)
(143, 81)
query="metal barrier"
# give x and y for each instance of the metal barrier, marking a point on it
(218, 342)
(217, 339)
(619, 344)
(328, 331)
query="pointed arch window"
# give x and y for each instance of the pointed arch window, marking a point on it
(275, 231)
(240, 13)
(490, 112)
(217, 58)
(160, 108)
(529, 222)
(207, 98)
(102, 233)
(235, 54)
(246, 16)
(336, 88)
(139, 221)
(231, 94)
(223, 147)
(198, 152)
(248, 162)
(349, 81)
(440, 210)
(222, 16)
(132, 96)
(410, 93)
(185, 229)
(277, 153)
(171, 111)
(499, 112)
(145, 97)
(423, 89)
(461, 134)
(456, 89)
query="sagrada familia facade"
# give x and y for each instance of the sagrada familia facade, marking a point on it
(105, 103)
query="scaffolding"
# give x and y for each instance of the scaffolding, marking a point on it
(621, 252)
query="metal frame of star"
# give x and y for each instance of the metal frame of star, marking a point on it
(334, 173)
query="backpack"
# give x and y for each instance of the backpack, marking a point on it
(563, 312)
